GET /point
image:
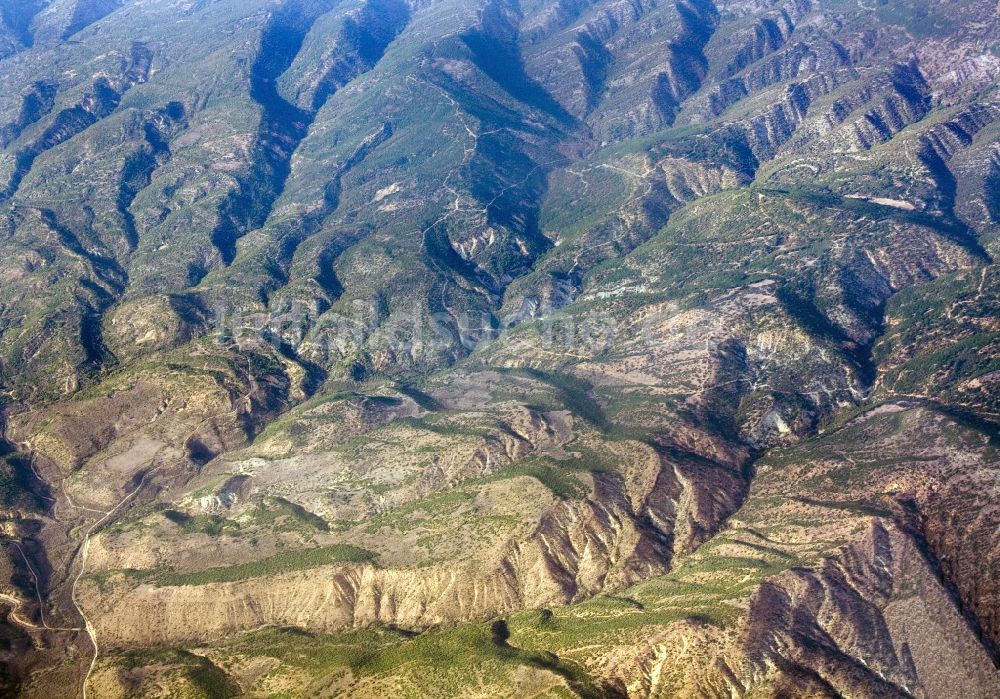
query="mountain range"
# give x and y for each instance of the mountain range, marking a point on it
(480, 348)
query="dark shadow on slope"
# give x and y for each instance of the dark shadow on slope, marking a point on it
(686, 56)
(282, 128)
(565, 12)
(365, 38)
(801, 305)
(138, 168)
(912, 521)
(948, 226)
(275, 257)
(424, 400)
(991, 188)
(443, 256)
(94, 298)
(87, 12)
(580, 683)
(494, 49)
(20, 487)
(36, 103)
(511, 185)
(955, 229)
(767, 37)
(284, 125)
(68, 123)
(32, 572)
(17, 16)
(326, 276)
(595, 59)
(314, 374)
(101, 102)
(970, 420)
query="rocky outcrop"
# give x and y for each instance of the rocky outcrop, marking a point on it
(620, 533)
(867, 622)
(764, 36)
(686, 63)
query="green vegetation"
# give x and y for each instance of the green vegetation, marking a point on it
(203, 676)
(405, 517)
(450, 276)
(282, 515)
(213, 525)
(437, 663)
(284, 562)
(922, 18)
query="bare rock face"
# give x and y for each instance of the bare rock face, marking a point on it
(875, 598)
(827, 575)
(805, 629)
(608, 530)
